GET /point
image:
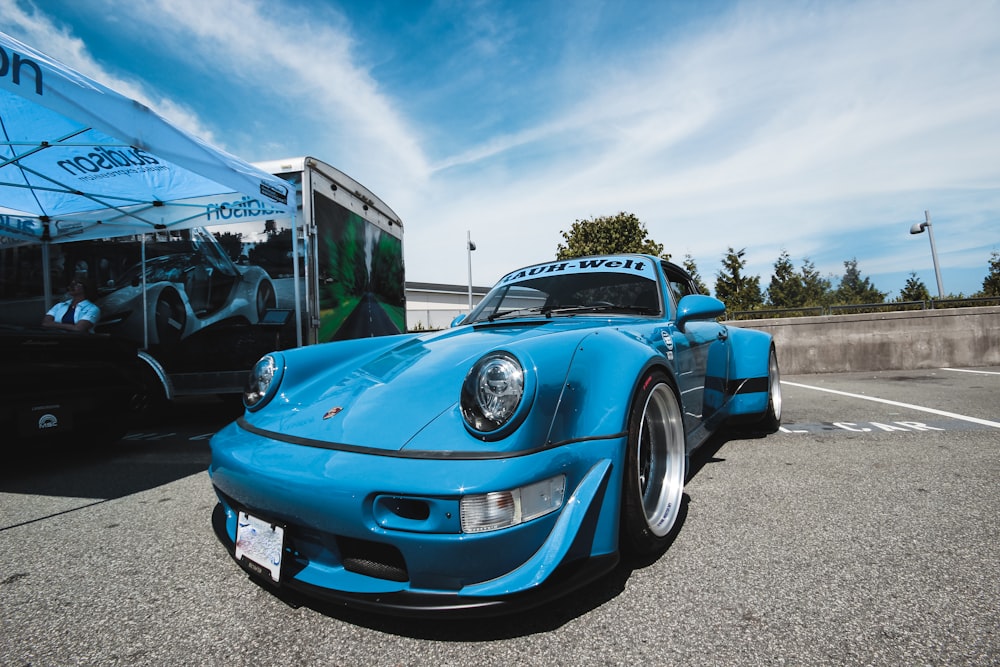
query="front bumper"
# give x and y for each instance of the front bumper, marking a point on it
(422, 603)
(342, 544)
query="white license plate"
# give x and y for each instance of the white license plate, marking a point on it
(259, 545)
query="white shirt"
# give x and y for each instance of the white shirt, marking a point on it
(85, 310)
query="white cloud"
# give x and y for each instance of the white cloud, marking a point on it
(775, 129)
(307, 56)
(36, 28)
(821, 128)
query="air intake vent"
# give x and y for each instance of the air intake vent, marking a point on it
(372, 559)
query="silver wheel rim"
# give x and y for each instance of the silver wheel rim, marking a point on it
(660, 459)
(774, 381)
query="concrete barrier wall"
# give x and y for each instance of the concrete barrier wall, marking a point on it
(905, 340)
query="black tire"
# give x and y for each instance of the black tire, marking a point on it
(149, 405)
(655, 467)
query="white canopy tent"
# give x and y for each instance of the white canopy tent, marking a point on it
(81, 161)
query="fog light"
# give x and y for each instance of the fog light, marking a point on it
(503, 509)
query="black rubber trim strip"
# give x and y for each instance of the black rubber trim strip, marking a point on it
(446, 455)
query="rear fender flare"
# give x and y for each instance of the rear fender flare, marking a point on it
(747, 391)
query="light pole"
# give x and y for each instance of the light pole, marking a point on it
(918, 228)
(469, 246)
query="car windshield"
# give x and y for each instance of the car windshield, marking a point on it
(540, 292)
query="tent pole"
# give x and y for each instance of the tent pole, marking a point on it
(295, 278)
(46, 276)
(145, 309)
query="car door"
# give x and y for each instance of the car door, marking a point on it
(701, 349)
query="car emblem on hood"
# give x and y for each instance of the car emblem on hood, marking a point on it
(332, 412)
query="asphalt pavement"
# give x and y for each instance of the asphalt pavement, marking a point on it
(865, 532)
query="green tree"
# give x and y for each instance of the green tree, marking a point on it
(816, 290)
(991, 283)
(274, 255)
(855, 289)
(692, 269)
(733, 288)
(914, 290)
(231, 243)
(606, 235)
(786, 289)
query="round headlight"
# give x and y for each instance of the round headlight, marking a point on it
(492, 391)
(263, 381)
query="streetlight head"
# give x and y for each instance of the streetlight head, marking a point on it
(918, 227)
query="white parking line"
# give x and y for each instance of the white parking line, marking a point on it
(974, 420)
(970, 370)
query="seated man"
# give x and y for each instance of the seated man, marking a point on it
(77, 313)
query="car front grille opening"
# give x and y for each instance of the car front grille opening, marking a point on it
(372, 559)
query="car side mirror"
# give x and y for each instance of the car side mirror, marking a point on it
(458, 320)
(698, 307)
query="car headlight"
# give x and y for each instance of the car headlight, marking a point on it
(492, 392)
(263, 381)
(503, 509)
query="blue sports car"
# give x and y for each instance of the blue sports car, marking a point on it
(495, 464)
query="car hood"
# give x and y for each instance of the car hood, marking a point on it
(405, 392)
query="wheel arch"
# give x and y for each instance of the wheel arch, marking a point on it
(156, 370)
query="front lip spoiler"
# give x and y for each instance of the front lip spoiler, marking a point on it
(444, 605)
(566, 579)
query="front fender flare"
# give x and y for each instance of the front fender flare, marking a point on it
(573, 531)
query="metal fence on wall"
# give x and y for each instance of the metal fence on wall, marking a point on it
(431, 319)
(889, 307)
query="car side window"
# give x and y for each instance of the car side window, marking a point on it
(678, 284)
(681, 288)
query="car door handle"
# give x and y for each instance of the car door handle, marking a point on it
(724, 334)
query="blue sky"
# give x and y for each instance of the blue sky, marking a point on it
(824, 129)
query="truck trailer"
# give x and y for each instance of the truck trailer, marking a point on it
(205, 303)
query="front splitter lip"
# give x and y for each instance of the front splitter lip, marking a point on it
(565, 580)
